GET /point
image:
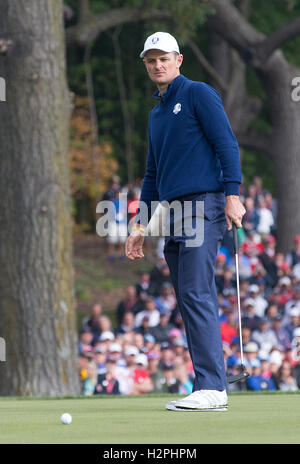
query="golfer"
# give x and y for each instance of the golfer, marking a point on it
(193, 157)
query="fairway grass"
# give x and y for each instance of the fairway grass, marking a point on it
(251, 418)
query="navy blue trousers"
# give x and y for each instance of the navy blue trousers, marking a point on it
(193, 278)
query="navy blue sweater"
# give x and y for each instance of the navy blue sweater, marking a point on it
(191, 145)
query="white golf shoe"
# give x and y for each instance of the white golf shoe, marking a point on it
(201, 400)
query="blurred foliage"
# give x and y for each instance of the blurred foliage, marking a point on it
(91, 166)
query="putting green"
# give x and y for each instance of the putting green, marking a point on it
(251, 418)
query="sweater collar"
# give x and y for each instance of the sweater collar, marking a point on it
(170, 90)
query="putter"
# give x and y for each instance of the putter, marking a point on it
(243, 374)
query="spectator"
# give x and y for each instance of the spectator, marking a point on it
(272, 312)
(293, 257)
(117, 229)
(293, 302)
(100, 359)
(249, 318)
(251, 352)
(166, 301)
(145, 327)
(185, 384)
(252, 193)
(167, 354)
(296, 366)
(159, 274)
(271, 204)
(104, 324)
(107, 383)
(143, 285)
(90, 381)
(92, 322)
(85, 341)
(114, 188)
(162, 329)
(275, 360)
(266, 220)
(286, 381)
(264, 336)
(83, 361)
(127, 324)
(251, 218)
(106, 337)
(282, 335)
(138, 341)
(149, 342)
(156, 374)
(229, 328)
(225, 281)
(150, 311)
(172, 383)
(258, 381)
(265, 366)
(178, 346)
(268, 262)
(125, 374)
(294, 322)
(257, 182)
(133, 203)
(130, 303)
(115, 351)
(260, 303)
(173, 335)
(142, 381)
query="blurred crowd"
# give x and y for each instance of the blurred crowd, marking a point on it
(146, 351)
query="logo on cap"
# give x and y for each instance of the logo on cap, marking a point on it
(155, 40)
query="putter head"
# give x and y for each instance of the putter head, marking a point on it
(238, 377)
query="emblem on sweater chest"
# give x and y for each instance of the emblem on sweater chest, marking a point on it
(177, 108)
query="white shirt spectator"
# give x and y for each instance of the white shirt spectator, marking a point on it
(266, 221)
(154, 318)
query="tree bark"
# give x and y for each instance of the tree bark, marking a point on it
(36, 280)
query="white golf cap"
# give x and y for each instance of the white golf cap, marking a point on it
(142, 359)
(160, 41)
(276, 358)
(251, 347)
(131, 351)
(249, 302)
(285, 281)
(107, 335)
(115, 347)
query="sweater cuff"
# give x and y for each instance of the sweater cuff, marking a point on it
(232, 188)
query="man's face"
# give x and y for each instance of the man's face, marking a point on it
(162, 67)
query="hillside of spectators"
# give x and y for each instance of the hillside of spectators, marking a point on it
(146, 351)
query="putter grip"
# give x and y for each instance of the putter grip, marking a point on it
(235, 239)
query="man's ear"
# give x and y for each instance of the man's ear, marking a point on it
(179, 60)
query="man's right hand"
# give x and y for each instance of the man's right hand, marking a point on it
(134, 245)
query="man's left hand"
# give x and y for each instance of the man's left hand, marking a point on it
(234, 211)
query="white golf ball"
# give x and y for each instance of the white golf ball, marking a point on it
(66, 418)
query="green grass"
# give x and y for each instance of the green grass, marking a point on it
(251, 418)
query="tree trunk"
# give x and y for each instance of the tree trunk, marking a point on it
(36, 278)
(277, 78)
